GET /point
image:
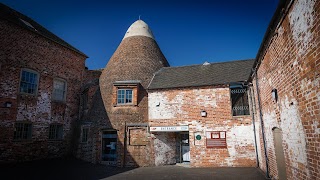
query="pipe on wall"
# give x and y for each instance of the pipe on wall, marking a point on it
(262, 125)
(252, 102)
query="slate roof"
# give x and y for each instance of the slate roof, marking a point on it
(29, 24)
(202, 75)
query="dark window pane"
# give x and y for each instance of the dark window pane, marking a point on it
(240, 103)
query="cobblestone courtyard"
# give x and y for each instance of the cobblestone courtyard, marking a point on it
(75, 169)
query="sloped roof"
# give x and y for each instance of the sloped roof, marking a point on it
(202, 75)
(29, 24)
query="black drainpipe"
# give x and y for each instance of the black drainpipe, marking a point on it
(262, 126)
(253, 120)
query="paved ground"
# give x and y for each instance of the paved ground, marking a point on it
(76, 169)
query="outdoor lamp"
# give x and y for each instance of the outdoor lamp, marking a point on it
(274, 94)
(203, 113)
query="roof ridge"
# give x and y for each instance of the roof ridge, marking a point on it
(43, 31)
(224, 62)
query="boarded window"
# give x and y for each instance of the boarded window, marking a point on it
(55, 132)
(138, 136)
(239, 99)
(22, 131)
(216, 139)
(29, 82)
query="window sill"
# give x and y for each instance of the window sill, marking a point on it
(124, 105)
(241, 116)
(21, 140)
(55, 140)
(58, 101)
(27, 96)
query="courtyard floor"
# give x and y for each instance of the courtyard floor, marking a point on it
(76, 169)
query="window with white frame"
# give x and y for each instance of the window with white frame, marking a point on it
(85, 132)
(55, 131)
(29, 82)
(124, 96)
(59, 89)
(22, 131)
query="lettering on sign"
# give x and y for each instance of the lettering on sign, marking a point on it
(169, 129)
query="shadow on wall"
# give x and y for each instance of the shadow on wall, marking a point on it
(96, 140)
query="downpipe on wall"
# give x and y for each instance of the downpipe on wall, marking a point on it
(251, 94)
(262, 125)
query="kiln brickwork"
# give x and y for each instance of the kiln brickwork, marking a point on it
(289, 61)
(25, 48)
(118, 132)
(131, 67)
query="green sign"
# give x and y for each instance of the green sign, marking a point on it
(198, 137)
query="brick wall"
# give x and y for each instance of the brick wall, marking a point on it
(21, 48)
(175, 107)
(291, 65)
(88, 99)
(136, 58)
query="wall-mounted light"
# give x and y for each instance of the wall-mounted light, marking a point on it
(203, 114)
(7, 104)
(274, 94)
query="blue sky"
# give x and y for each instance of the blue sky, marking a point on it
(187, 31)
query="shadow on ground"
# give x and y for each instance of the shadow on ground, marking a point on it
(58, 169)
(70, 168)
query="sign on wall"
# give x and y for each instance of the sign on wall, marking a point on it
(198, 138)
(169, 128)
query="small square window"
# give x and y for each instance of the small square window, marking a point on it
(85, 132)
(124, 96)
(55, 132)
(22, 131)
(29, 82)
(59, 90)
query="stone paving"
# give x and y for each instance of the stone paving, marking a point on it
(76, 169)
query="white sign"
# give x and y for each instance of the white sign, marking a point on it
(169, 129)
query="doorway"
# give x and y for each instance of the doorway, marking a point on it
(281, 164)
(109, 147)
(185, 147)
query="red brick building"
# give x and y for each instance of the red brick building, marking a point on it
(40, 79)
(200, 115)
(139, 112)
(286, 81)
(119, 115)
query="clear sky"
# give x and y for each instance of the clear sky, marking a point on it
(187, 31)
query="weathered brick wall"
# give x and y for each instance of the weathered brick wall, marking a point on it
(20, 48)
(291, 65)
(136, 58)
(174, 107)
(164, 148)
(85, 150)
